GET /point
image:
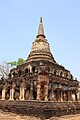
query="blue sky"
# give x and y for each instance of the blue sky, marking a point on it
(19, 21)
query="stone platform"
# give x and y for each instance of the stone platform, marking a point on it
(40, 109)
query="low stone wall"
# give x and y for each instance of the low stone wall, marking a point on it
(40, 109)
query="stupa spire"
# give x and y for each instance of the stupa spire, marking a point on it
(40, 47)
(41, 29)
(41, 19)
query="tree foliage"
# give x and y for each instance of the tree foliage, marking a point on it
(17, 63)
(6, 67)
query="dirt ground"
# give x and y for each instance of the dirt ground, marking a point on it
(12, 116)
(67, 117)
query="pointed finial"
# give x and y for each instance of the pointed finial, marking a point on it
(41, 29)
(41, 19)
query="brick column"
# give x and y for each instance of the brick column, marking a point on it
(38, 90)
(78, 93)
(31, 92)
(61, 96)
(22, 93)
(46, 92)
(78, 96)
(73, 97)
(4, 92)
(53, 98)
(12, 92)
(69, 95)
(65, 97)
(22, 90)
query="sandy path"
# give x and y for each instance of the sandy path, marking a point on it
(67, 117)
(12, 116)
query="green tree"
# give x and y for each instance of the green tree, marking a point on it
(20, 61)
(17, 63)
(12, 63)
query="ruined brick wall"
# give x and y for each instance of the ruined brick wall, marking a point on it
(41, 109)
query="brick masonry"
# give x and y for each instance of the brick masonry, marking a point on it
(40, 109)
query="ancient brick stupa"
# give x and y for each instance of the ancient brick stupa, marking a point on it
(40, 78)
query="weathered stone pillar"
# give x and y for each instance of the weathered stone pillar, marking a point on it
(78, 93)
(4, 92)
(12, 92)
(58, 95)
(61, 93)
(69, 95)
(38, 89)
(46, 92)
(73, 97)
(31, 92)
(53, 97)
(78, 96)
(61, 96)
(22, 93)
(65, 98)
(22, 90)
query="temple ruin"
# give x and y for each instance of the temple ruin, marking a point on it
(40, 78)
